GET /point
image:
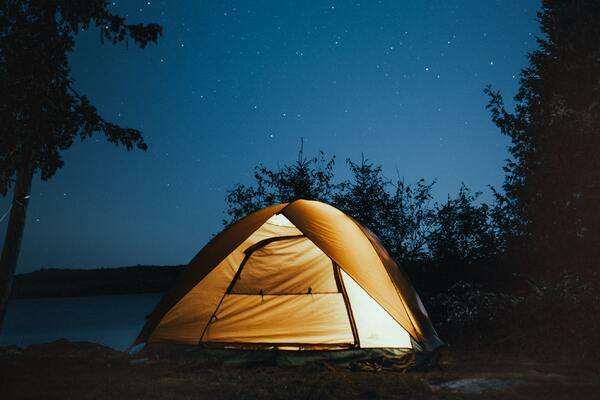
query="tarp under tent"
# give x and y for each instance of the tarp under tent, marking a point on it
(295, 276)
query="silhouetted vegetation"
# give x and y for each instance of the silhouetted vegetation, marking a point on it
(553, 176)
(454, 251)
(451, 241)
(520, 271)
(63, 282)
(42, 113)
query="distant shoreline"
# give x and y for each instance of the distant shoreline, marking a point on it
(63, 282)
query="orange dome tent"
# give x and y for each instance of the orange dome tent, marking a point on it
(296, 276)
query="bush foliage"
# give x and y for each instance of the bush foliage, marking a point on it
(448, 241)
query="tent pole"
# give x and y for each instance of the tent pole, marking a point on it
(342, 288)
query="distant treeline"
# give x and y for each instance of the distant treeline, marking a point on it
(62, 282)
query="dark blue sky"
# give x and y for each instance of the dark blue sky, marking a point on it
(236, 83)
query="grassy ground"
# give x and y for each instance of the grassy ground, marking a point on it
(70, 371)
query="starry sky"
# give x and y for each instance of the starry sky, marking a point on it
(235, 83)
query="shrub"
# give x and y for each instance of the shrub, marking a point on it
(548, 320)
(468, 315)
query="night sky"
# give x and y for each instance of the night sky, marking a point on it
(235, 83)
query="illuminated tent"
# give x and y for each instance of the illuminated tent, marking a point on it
(296, 276)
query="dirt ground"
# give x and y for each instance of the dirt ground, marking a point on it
(65, 370)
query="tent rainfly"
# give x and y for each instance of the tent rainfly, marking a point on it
(295, 276)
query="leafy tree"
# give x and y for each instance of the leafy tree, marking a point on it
(398, 213)
(41, 112)
(552, 184)
(309, 179)
(463, 242)
(409, 221)
(365, 195)
(438, 244)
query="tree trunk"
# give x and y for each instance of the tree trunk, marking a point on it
(14, 235)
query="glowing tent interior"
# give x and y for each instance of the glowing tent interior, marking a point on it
(296, 276)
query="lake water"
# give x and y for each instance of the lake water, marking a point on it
(113, 321)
